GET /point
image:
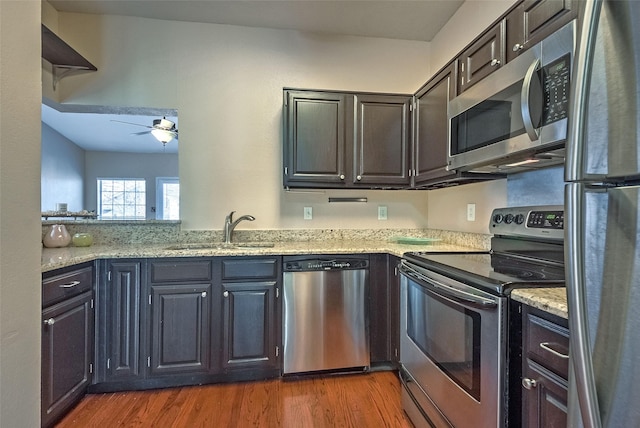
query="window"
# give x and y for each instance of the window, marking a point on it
(167, 198)
(121, 199)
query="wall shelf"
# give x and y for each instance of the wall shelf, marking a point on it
(63, 58)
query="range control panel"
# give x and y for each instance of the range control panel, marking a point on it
(533, 221)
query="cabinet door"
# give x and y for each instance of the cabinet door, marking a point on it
(482, 58)
(180, 328)
(67, 349)
(431, 138)
(543, 17)
(250, 329)
(315, 150)
(384, 309)
(381, 153)
(515, 39)
(544, 398)
(121, 325)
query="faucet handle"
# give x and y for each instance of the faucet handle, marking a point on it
(230, 217)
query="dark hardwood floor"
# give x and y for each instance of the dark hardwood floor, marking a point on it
(356, 400)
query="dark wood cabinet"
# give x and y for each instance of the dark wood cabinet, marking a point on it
(382, 140)
(67, 341)
(119, 327)
(481, 58)
(545, 369)
(532, 20)
(431, 135)
(346, 140)
(384, 310)
(251, 321)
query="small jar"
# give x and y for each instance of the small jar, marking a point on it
(56, 237)
(82, 240)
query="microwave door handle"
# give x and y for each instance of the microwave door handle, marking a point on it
(532, 132)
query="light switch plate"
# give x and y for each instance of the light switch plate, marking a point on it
(471, 212)
(308, 213)
(382, 212)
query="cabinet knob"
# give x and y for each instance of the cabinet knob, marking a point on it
(204, 294)
(50, 321)
(517, 47)
(225, 294)
(359, 177)
(529, 383)
(495, 62)
(341, 176)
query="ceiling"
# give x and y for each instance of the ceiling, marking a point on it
(93, 128)
(394, 19)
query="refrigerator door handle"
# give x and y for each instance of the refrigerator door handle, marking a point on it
(580, 345)
(581, 78)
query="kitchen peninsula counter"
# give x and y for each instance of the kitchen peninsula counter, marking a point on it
(551, 300)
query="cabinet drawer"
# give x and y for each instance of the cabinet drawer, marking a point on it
(548, 344)
(180, 270)
(243, 269)
(64, 285)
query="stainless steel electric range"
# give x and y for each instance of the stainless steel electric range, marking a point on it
(454, 308)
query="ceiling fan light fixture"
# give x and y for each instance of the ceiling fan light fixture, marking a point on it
(162, 135)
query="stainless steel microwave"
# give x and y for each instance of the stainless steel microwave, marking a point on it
(515, 118)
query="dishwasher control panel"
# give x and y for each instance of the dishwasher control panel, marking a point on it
(324, 264)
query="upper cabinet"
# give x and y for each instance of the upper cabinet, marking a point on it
(533, 20)
(346, 140)
(481, 58)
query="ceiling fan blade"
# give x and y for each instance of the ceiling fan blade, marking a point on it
(130, 123)
(141, 133)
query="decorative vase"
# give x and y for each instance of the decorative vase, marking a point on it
(57, 236)
(82, 239)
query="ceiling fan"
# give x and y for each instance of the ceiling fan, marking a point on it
(163, 129)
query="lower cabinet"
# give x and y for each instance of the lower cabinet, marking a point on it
(545, 366)
(67, 341)
(251, 321)
(384, 310)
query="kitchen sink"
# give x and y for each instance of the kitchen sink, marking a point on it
(220, 246)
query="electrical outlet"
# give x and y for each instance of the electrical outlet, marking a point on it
(471, 212)
(308, 213)
(382, 212)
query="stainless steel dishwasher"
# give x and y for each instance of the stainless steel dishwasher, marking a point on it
(325, 325)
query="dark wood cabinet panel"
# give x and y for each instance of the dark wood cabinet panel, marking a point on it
(431, 137)
(384, 309)
(515, 38)
(545, 367)
(543, 17)
(316, 137)
(382, 140)
(67, 355)
(122, 322)
(180, 328)
(482, 58)
(250, 327)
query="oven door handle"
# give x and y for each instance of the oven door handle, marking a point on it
(447, 291)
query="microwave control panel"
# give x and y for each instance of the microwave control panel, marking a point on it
(556, 89)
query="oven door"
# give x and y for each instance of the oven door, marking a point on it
(453, 346)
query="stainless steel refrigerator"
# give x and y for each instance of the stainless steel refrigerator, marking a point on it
(602, 221)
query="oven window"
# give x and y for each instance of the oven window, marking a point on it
(448, 334)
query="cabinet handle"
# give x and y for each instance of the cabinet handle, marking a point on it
(341, 176)
(546, 346)
(204, 294)
(529, 383)
(50, 321)
(225, 294)
(69, 285)
(495, 62)
(517, 47)
(359, 177)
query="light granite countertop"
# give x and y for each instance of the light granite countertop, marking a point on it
(55, 258)
(552, 300)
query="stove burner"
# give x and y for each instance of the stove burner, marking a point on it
(523, 270)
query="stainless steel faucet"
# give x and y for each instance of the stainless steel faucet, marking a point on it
(230, 225)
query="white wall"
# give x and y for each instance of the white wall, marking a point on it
(226, 83)
(62, 176)
(147, 166)
(20, 295)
